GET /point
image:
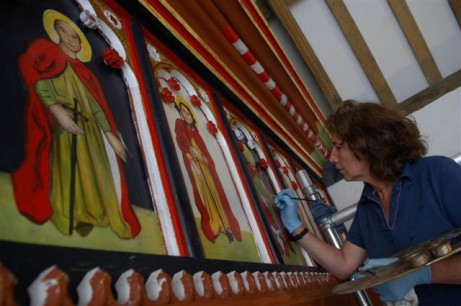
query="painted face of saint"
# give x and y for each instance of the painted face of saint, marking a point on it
(69, 41)
(186, 115)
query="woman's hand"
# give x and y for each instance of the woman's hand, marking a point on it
(288, 209)
(397, 289)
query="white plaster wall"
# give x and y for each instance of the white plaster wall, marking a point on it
(440, 124)
(332, 49)
(300, 65)
(386, 42)
(441, 31)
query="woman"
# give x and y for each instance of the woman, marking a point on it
(72, 172)
(407, 199)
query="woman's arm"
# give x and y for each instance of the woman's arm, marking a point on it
(340, 262)
(447, 271)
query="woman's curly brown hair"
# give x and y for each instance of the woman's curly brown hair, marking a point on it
(384, 137)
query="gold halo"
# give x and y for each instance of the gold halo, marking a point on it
(178, 100)
(50, 16)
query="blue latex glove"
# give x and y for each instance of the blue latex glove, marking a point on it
(320, 210)
(288, 209)
(377, 263)
(397, 289)
(372, 264)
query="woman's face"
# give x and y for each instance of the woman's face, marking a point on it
(186, 115)
(352, 168)
(69, 39)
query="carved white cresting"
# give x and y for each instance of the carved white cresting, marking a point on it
(123, 287)
(269, 279)
(38, 290)
(246, 284)
(84, 289)
(154, 285)
(233, 282)
(178, 285)
(257, 281)
(284, 279)
(216, 278)
(278, 280)
(198, 283)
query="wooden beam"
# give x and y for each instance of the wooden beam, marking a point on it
(426, 96)
(264, 8)
(416, 40)
(283, 13)
(362, 52)
(456, 8)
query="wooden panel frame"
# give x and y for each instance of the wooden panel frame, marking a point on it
(287, 175)
(180, 88)
(125, 105)
(263, 182)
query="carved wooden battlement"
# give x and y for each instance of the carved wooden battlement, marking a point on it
(50, 287)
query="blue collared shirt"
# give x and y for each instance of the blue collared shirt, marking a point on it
(425, 202)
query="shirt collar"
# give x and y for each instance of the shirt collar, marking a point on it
(406, 173)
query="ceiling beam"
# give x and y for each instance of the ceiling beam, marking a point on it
(416, 40)
(283, 13)
(456, 8)
(362, 52)
(264, 9)
(430, 94)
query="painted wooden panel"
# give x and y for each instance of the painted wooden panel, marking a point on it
(97, 196)
(265, 184)
(223, 216)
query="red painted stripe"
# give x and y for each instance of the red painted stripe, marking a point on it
(230, 34)
(249, 58)
(288, 106)
(269, 35)
(277, 93)
(264, 77)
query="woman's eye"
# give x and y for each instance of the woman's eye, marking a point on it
(338, 146)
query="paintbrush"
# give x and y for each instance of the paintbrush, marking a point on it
(293, 198)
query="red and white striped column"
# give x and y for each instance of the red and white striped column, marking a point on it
(256, 66)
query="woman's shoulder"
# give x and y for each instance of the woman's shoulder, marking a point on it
(435, 159)
(434, 162)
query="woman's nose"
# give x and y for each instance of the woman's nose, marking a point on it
(333, 156)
